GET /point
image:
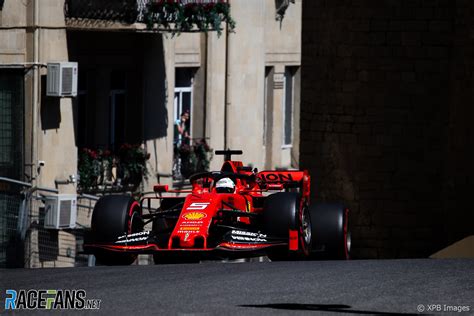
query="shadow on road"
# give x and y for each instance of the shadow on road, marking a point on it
(337, 308)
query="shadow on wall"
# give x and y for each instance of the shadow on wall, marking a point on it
(122, 88)
(50, 109)
(155, 97)
(48, 240)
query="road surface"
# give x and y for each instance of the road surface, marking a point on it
(269, 288)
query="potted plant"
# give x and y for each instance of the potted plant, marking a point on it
(132, 165)
(178, 17)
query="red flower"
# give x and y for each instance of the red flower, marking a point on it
(209, 6)
(125, 146)
(92, 154)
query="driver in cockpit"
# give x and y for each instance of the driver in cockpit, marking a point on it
(225, 185)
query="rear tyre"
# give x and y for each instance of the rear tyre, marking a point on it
(283, 212)
(331, 234)
(113, 216)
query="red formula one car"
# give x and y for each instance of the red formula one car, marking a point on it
(232, 213)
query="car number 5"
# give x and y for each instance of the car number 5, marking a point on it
(197, 206)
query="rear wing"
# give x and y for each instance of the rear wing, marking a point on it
(288, 179)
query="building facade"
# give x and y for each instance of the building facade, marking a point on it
(241, 91)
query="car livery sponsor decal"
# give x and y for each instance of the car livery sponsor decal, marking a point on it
(276, 177)
(186, 237)
(124, 241)
(190, 229)
(241, 235)
(187, 230)
(143, 233)
(192, 223)
(194, 216)
(140, 236)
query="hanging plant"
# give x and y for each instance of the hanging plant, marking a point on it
(174, 16)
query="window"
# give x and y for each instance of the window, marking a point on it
(183, 95)
(288, 106)
(11, 123)
(183, 103)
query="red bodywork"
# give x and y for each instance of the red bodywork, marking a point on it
(204, 210)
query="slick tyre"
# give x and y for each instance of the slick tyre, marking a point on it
(113, 216)
(282, 213)
(330, 231)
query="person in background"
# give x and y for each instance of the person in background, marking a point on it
(181, 137)
(181, 134)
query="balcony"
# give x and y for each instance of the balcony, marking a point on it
(155, 15)
(126, 11)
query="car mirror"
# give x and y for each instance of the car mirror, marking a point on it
(159, 188)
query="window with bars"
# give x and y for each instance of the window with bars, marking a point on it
(11, 123)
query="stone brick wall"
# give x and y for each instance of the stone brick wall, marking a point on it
(387, 104)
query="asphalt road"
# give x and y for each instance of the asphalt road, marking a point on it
(319, 287)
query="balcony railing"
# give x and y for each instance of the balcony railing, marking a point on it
(126, 11)
(167, 15)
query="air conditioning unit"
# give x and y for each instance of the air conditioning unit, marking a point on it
(62, 79)
(61, 211)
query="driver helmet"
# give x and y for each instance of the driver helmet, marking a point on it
(225, 185)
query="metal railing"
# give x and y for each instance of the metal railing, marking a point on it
(119, 10)
(126, 11)
(24, 240)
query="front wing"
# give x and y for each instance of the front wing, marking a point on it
(235, 243)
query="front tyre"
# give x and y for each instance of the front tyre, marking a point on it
(113, 216)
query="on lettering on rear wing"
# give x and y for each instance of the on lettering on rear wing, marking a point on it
(288, 178)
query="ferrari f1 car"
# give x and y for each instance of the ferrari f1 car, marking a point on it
(232, 213)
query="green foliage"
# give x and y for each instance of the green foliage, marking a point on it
(88, 168)
(95, 167)
(177, 17)
(195, 158)
(132, 162)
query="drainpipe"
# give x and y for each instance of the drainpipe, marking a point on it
(35, 84)
(226, 83)
(205, 61)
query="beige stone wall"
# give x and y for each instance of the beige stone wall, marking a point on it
(282, 49)
(215, 95)
(13, 41)
(55, 146)
(187, 50)
(246, 81)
